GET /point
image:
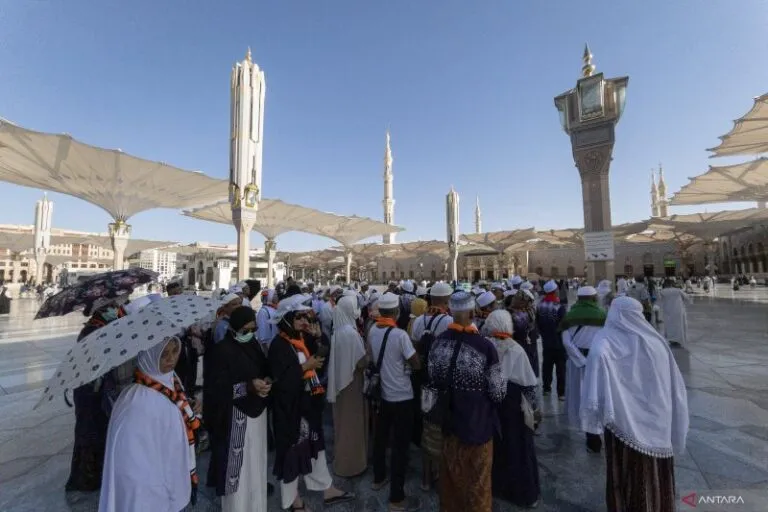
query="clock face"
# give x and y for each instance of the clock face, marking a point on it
(251, 197)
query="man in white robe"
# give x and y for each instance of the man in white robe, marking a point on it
(580, 326)
(672, 302)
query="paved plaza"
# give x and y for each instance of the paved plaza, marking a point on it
(725, 367)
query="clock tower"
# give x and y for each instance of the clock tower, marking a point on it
(588, 114)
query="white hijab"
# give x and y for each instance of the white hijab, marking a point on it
(346, 346)
(147, 458)
(515, 364)
(632, 385)
(621, 286)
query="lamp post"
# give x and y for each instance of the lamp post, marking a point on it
(588, 114)
(246, 139)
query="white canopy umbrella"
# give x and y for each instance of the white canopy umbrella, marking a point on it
(749, 135)
(121, 184)
(746, 181)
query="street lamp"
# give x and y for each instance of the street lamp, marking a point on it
(588, 114)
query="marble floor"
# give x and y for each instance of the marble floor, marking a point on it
(725, 366)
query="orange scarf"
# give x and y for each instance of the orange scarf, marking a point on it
(385, 321)
(501, 335)
(179, 399)
(310, 375)
(470, 329)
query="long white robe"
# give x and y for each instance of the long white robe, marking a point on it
(574, 367)
(672, 304)
(251, 494)
(146, 461)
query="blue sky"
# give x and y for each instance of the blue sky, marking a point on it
(466, 88)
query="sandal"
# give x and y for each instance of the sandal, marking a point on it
(341, 498)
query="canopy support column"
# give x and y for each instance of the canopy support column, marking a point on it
(244, 220)
(302, 274)
(269, 247)
(453, 261)
(348, 258)
(40, 255)
(119, 234)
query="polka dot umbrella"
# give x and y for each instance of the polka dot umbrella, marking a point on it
(122, 339)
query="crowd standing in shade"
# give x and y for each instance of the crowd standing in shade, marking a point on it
(456, 373)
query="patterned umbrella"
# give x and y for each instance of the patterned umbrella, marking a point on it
(82, 296)
(120, 340)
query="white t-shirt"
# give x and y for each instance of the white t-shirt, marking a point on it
(395, 371)
(439, 326)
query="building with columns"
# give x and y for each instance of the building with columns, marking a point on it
(210, 265)
(389, 196)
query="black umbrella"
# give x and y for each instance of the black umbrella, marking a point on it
(118, 284)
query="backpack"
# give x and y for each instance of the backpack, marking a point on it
(428, 337)
(372, 375)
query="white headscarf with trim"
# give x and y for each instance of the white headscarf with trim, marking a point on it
(632, 385)
(347, 346)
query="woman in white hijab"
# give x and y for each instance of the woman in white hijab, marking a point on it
(633, 392)
(150, 455)
(515, 468)
(345, 390)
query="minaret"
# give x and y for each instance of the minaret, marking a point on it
(478, 216)
(654, 197)
(663, 201)
(389, 200)
(246, 137)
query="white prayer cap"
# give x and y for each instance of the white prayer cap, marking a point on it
(229, 298)
(334, 289)
(423, 283)
(421, 291)
(407, 287)
(364, 283)
(462, 301)
(476, 290)
(482, 282)
(586, 291)
(242, 284)
(292, 303)
(550, 286)
(486, 299)
(526, 286)
(236, 289)
(507, 293)
(516, 280)
(497, 286)
(389, 301)
(373, 297)
(441, 290)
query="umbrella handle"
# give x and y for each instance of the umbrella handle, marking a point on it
(66, 400)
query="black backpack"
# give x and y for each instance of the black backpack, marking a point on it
(372, 383)
(428, 337)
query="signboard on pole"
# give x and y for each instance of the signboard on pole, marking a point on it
(598, 246)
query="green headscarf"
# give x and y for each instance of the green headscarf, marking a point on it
(584, 312)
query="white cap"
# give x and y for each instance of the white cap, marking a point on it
(550, 286)
(515, 280)
(476, 290)
(407, 287)
(482, 282)
(242, 284)
(229, 298)
(235, 289)
(526, 286)
(486, 299)
(586, 291)
(389, 301)
(421, 291)
(497, 286)
(441, 290)
(462, 301)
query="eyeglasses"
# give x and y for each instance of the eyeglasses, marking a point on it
(302, 316)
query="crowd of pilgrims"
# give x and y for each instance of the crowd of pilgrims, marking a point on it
(453, 372)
